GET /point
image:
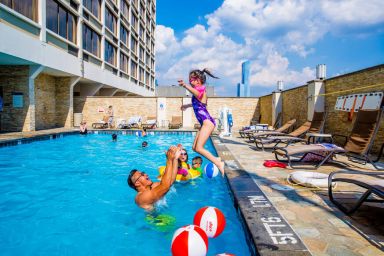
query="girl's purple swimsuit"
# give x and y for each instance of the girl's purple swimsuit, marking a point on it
(200, 108)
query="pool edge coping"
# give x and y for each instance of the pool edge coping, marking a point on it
(251, 202)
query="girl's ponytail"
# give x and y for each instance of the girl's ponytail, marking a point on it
(205, 70)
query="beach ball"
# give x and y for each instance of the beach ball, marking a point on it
(211, 170)
(211, 220)
(189, 240)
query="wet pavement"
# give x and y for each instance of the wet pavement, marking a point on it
(319, 224)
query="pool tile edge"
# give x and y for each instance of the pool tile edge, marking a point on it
(270, 233)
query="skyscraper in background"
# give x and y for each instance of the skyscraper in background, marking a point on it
(245, 66)
(239, 90)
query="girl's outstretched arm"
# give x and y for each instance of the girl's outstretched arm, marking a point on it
(184, 107)
(189, 88)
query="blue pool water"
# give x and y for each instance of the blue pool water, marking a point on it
(70, 197)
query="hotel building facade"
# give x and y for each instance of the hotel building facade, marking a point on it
(53, 50)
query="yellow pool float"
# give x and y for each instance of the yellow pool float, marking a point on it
(192, 174)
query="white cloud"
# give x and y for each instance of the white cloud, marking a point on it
(264, 32)
(353, 12)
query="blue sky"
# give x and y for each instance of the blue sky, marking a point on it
(284, 40)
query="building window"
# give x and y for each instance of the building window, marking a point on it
(147, 58)
(124, 35)
(152, 64)
(133, 69)
(141, 32)
(141, 74)
(110, 20)
(61, 21)
(142, 9)
(141, 53)
(134, 21)
(124, 62)
(152, 47)
(124, 8)
(93, 6)
(28, 8)
(147, 78)
(110, 53)
(133, 44)
(91, 41)
(148, 22)
(147, 41)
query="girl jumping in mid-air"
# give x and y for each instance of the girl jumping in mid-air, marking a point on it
(199, 103)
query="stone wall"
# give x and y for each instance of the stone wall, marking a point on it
(14, 79)
(266, 109)
(45, 102)
(295, 105)
(64, 112)
(173, 106)
(337, 121)
(243, 109)
(125, 107)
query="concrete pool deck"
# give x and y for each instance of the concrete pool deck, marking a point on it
(282, 219)
(323, 228)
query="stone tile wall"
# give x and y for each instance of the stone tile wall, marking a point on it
(14, 79)
(173, 106)
(295, 105)
(337, 121)
(64, 114)
(45, 102)
(266, 109)
(125, 107)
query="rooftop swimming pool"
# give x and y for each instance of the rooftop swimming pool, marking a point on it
(70, 197)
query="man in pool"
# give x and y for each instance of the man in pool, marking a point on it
(149, 192)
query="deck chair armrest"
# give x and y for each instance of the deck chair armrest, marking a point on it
(354, 172)
(343, 136)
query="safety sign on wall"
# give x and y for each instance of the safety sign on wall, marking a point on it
(354, 102)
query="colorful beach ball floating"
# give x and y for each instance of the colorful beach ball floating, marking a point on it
(211, 170)
(192, 240)
(189, 241)
(211, 220)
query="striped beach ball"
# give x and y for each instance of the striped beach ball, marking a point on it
(189, 240)
(211, 220)
(211, 170)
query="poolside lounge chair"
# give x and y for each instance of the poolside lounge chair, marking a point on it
(134, 122)
(280, 131)
(121, 123)
(248, 130)
(150, 123)
(176, 122)
(372, 181)
(314, 126)
(100, 125)
(357, 147)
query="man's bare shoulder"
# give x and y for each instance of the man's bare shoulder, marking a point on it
(146, 198)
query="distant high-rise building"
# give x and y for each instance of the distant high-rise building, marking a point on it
(245, 67)
(239, 90)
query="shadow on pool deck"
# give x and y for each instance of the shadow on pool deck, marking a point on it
(324, 229)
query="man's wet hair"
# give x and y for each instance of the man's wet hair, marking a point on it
(114, 137)
(129, 180)
(144, 144)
